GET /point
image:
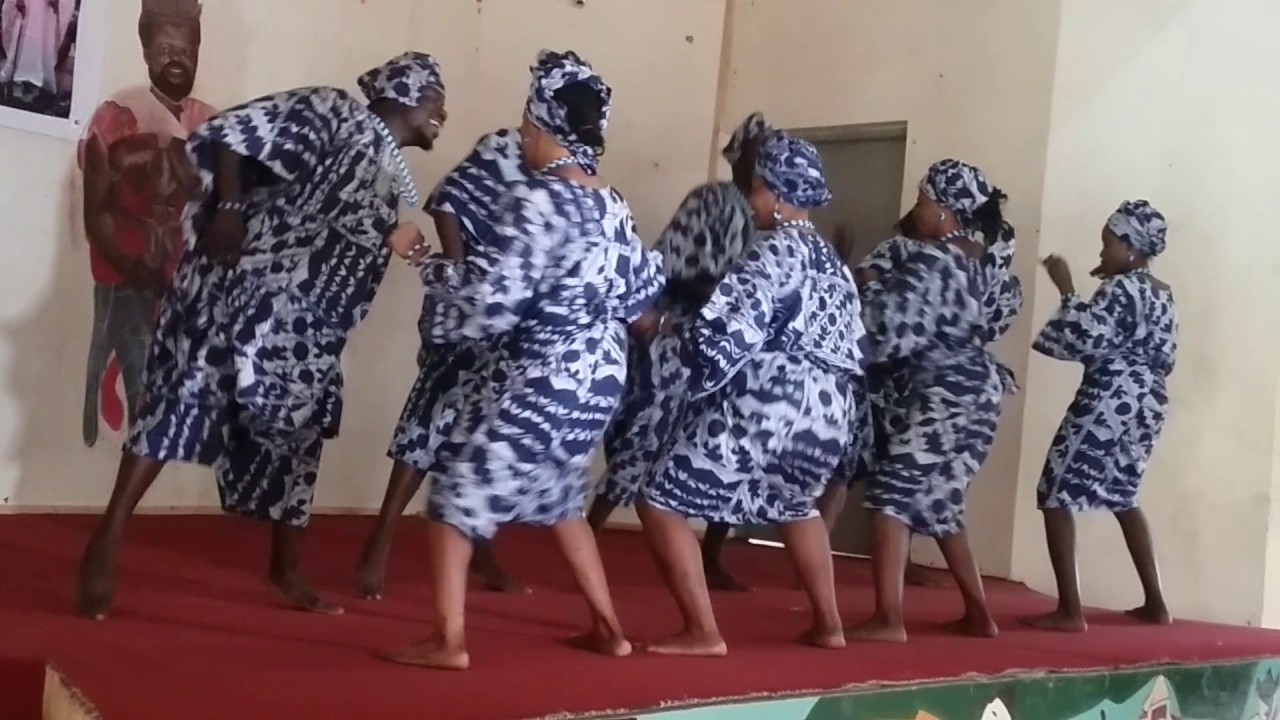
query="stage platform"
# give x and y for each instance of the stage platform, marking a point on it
(197, 634)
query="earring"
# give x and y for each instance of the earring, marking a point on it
(942, 216)
(777, 216)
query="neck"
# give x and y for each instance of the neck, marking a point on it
(788, 213)
(173, 103)
(393, 120)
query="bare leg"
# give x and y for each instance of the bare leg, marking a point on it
(918, 575)
(372, 570)
(977, 620)
(446, 649)
(890, 540)
(484, 565)
(97, 578)
(578, 545)
(601, 509)
(285, 571)
(676, 548)
(1137, 535)
(717, 577)
(810, 551)
(1060, 533)
(832, 502)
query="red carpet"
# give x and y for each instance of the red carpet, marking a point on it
(196, 634)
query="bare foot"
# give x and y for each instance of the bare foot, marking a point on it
(1151, 614)
(602, 642)
(299, 595)
(719, 579)
(688, 644)
(1058, 621)
(824, 637)
(433, 653)
(371, 573)
(980, 625)
(878, 629)
(96, 586)
(920, 576)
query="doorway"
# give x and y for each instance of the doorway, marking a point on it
(864, 166)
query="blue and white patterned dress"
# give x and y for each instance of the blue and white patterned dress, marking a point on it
(244, 373)
(705, 236)
(471, 192)
(941, 419)
(515, 440)
(1126, 338)
(769, 362)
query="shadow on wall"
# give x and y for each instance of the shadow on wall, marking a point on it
(49, 369)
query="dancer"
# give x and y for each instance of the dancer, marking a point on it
(870, 399)
(932, 313)
(768, 361)
(1126, 338)
(704, 238)
(286, 248)
(463, 206)
(518, 444)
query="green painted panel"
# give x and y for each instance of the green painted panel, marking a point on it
(1235, 691)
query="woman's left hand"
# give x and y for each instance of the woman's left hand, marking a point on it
(407, 242)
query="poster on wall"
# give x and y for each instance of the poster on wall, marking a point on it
(49, 69)
(136, 179)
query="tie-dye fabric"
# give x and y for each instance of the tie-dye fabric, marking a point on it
(767, 366)
(245, 373)
(1140, 225)
(942, 414)
(514, 440)
(553, 71)
(792, 169)
(472, 193)
(752, 129)
(705, 236)
(405, 79)
(958, 187)
(1126, 338)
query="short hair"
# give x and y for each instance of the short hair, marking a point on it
(185, 13)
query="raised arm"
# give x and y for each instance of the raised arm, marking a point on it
(1081, 331)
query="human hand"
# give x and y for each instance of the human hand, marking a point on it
(1059, 273)
(224, 238)
(407, 242)
(146, 278)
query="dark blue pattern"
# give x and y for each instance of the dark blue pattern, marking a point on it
(768, 365)
(245, 372)
(705, 236)
(552, 72)
(1126, 338)
(792, 169)
(471, 192)
(516, 439)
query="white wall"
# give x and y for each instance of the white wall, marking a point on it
(661, 56)
(1173, 100)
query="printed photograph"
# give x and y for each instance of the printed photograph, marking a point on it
(37, 55)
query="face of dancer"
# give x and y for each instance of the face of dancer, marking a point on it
(929, 220)
(426, 120)
(172, 53)
(1117, 257)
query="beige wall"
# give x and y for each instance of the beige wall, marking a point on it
(973, 85)
(1174, 100)
(661, 56)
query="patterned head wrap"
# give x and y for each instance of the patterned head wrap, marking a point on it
(405, 79)
(707, 233)
(958, 187)
(1141, 226)
(753, 128)
(792, 169)
(553, 71)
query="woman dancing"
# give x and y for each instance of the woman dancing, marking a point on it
(571, 275)
(1126, 338)
(931, 313)
(463, 207)
(705, 236)
(285, 252)
(768, 363)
